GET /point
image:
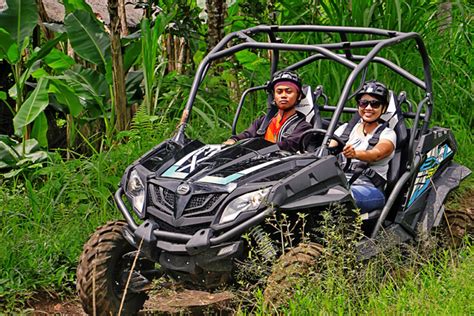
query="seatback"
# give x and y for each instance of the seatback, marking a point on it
(308, 107)
(397, 164)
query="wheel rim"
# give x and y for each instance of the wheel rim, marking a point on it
(121, 273)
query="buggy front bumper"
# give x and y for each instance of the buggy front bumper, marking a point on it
(203, 239)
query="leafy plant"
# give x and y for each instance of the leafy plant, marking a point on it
(16, 27)
(90, 41)
(17, 157)
(153, 63)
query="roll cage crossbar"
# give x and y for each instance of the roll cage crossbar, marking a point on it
(357, 63)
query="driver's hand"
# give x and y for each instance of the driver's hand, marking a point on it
(230, 141)
(349, 152)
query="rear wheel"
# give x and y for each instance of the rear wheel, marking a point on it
(460, 222)
(288, 272)
(103, 271)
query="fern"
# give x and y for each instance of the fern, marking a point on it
(147, 130)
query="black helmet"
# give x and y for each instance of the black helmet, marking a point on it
(374, 88)
(285, 75)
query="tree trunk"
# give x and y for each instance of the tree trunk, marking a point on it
(444, 15)
(123, 17)
(118, 75)
(43, 16)
(169, 52)
(181, 55)
(216, 10)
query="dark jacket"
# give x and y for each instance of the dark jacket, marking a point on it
(288, 136)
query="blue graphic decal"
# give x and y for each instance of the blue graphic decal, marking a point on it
(237, 175)
(429, 163)
(433, 159)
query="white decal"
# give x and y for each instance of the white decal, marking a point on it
(188, 163)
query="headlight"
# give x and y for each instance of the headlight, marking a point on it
(246, 202)
(136, 191)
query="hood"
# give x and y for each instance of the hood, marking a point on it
(214, 164)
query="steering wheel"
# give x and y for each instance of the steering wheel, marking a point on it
(313, 138)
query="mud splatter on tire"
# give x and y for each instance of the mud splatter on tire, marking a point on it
(101, 264)
(299, 262)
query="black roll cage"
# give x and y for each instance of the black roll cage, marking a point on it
(358, 63)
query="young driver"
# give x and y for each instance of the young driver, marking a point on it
(287, 126)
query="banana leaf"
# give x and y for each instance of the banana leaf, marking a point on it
(14, 160)
(45, 49)
(88, 37)
(33, 106)
(58, 61)
(72, 5)
(66, 96)
(5, 44)
(18, 20)
(12, 154)
(40, 130)
(88, 84)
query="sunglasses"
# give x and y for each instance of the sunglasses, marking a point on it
(375, 104)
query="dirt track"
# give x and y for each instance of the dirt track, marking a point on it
(168, 303)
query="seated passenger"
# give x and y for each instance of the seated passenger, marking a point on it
(368, 185)
(287, 126)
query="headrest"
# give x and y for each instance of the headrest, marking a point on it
(391, 114)
(306, 105)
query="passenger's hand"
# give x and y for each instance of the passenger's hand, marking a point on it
(349, 152)
(230, 141)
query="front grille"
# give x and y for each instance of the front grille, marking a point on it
(168, 196)
(188, 230)
(197, 201)
(163, 196)
(202, 205)
(198, 204)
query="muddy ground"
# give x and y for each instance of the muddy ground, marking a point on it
(181, 302)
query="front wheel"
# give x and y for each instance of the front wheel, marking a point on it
(103, 271)
(290, 268)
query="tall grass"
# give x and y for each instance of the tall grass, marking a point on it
(47, 216)
(441, 286)
(423, 278)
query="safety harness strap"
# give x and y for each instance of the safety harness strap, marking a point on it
(362, 168)
(350, 126)
(266, 121)
(291, 125)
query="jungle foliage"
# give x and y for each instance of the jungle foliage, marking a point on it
(61, 155)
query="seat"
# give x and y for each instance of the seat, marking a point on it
(306, 105)
(396, 121)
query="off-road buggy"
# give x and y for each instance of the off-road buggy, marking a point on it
(190, 204)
